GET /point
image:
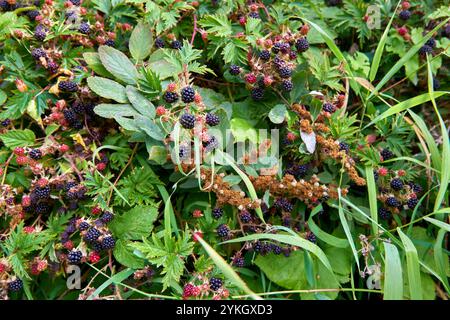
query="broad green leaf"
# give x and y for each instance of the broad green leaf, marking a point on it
(125, 256)
(140, 103)
(94, 62)
(18, 138)
(278, 113)
(118, 64)
(107, 88)
(141, 41)
(242, 130)
(135, 223)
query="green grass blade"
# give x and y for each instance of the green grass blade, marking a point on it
(445, 165)
(440, 224)
(393, 277)
(380, 48)
(412, 266)
(227, 270)
(372, 191)
(405, 58)
(347, 230)
(420, 163)
(431, 143)
(288, 239)
(248, 183)
(117, 278)
(407, 104)
(438, 254)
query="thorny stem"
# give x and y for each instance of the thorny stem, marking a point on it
(194, 32)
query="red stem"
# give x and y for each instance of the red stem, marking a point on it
(195, 29)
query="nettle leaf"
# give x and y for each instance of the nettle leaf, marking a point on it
(134, 224)
(118, 64)
(140, 103)
(141, 41)
(218, 24)
(18, 138)
(108, 89)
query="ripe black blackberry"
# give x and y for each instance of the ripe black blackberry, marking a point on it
(238, 261)
(70, 185)
(311, 237)
(108, 243)
(74, 257)
(276, 249)
(176, 44)
(52, 66)
(386, 154)
(110, 43)
(107, 217)
(396, 184)
(328, 107)
(83, 226)
(436, 84)
(84, 28)
(287, 206)
(257, 94)
(38, 53)
(292, 55)
(15, 285)
(276, 47)
(215, 284)
(235, 70)
(42, 193)
(32, 14)
(40, 34)
(344, 147)
(302, 44)
(425, 49)
(287, 85)
(187, 94)
(254, 15)
(384, 213)
(159, 43)
(35, 154)
(245, 216)
(42, 208)
(217, 213)
(404, 15)
(5, 122)
(264, 55)
(187, 121)
(170, 97)
(285, 72)
(412, 203)
(212, 119)
(285, 47)
(211, 144)
(92, 235)
(97, 246)
(76, 2)
(333, 3)
(393, 202)
(223, 230)
(68, 86)
(431, 43)
(257, 246)
(417, 188)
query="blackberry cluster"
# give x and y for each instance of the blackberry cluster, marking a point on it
(257, 94)
(72, 119)
(238, 261)
(287, 85)
(283, 204)
(302, 45)
(15, 285)
(35, 154)
(42, 193)
(74, 257)
(212, 119)
(217, 213)
(52, 67)
(412, 203)
(187, 94)
(32, 14)
(276, 249)
(76, 2)
(107, 217)
(417, 188)
(387, 154)
(264, 55)
(39, 33)
(84, 28)
(393, 202)
(215, 284)
(68, 86)
(170, 97)
(235, 70)
(92, 235)
(83, 226)
(187, 121)
(110, 43)
(311, 237)
(223, 230)
(285, 72)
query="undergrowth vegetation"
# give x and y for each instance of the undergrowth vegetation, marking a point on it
(224, 149)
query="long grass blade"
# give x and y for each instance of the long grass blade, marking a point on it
(393, 276)
(372, 191)
(347, 230)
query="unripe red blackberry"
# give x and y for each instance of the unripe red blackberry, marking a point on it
(19, 151)
(94, 257)
(250, 78)
(74, 257)
(187, 121)
(160, 111)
